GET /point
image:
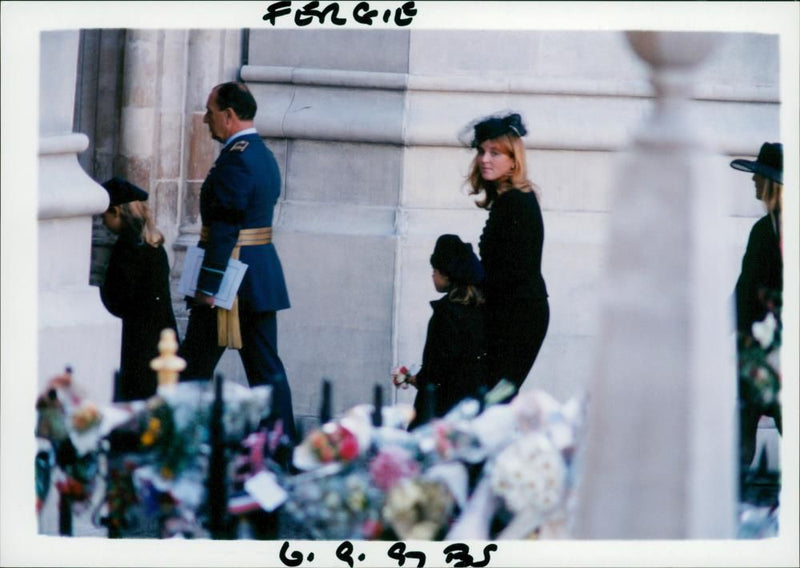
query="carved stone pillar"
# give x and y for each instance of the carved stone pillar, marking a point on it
(660, 460)
(74, 327)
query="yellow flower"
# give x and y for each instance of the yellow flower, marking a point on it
(167, 473)
(148, 438)
(154, 424)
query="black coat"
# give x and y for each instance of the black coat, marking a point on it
(762, 269)
(136, 289)
(517, 311)
(511, 248)
(454, 357)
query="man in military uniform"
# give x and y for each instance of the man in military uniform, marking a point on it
(237, 202)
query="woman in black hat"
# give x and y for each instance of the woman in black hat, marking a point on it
(454, 357)
(136, 287)
(760, 282)
(517, 310)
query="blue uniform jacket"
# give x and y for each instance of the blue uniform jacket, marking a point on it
(240, 192)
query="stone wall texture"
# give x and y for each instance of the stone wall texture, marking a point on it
(365, 127)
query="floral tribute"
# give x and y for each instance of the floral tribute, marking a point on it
(156, 451)
(67, 430)
(480, 472)
(334, 442)
(760, 381)
(505, 467)
(759, 360)
(419, 509)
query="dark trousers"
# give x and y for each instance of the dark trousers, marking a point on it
(259, 355)
(515, 333)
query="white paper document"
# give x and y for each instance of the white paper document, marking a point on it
(264, 488)
(231, 280)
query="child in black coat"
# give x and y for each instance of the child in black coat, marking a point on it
(454, 357)
(136, 288)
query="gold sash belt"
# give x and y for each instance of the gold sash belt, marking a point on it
(228, 330)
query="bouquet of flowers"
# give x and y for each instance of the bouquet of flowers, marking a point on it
(529, 479)
(759, 357)
(419, 509)
(336, 502)
(401, 376)
(68, 429)
(162, 454)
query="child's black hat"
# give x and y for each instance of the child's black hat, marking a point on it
(122, 191)
(455, 259)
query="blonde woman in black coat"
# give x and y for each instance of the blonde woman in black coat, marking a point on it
(136, 288)
(760, 277)
(517, 310)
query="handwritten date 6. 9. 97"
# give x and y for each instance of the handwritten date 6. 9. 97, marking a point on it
(455, 554)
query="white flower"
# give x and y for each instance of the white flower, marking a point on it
(764, 331)
(530, 474)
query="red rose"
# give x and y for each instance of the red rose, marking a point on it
(348, 448)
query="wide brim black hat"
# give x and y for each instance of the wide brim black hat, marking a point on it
(456, 260)
(122, 191)
(769, 162)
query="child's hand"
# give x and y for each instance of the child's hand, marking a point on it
(401, 377)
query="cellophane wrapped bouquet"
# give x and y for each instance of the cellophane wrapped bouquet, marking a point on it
(483, 471)
(155, 453)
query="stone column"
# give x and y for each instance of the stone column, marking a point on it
(74, 327)
(660, 460)
(168, 168)
(139, 97)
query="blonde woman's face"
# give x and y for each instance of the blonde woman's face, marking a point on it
(112, 219)
(761, 185)
(494, 163)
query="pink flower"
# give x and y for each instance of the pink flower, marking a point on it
(390, 466)
(371, 529)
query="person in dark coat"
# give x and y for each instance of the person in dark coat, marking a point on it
(517, 309)
(454, 357)
(761, 275)
(136, 288)
(237, 202)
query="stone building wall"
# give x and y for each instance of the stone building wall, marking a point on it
(366, 129)
(365, 125)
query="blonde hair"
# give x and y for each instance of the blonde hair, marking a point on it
(138, 222)
(514, 148)
(773, 201)
(773, 196)
(467, 294)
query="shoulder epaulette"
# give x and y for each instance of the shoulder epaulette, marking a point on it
(239, 146)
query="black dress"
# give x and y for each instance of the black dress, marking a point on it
(517, 310)
(454, 357)
(136, 289)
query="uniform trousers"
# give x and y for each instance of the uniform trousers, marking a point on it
(259, 355)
